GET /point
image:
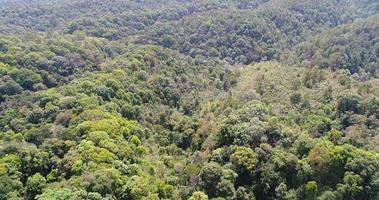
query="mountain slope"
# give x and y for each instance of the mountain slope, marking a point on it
(173, 99)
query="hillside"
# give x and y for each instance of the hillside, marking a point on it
(173, 99)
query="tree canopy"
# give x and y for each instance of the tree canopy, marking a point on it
(215, 99)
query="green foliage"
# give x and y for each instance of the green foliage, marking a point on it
(246, 126)
(26, 78)
(9, 87)
(243, 158)
(210, 175)
(311, 190)
(61, 194)
(135, 188)
(295, 98)
(35, 184)
(198, 196)
(173, 99)
(352, 185)
(350, 47)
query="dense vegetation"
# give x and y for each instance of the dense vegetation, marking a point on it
(171, 99)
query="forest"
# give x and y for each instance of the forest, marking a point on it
(189, 99)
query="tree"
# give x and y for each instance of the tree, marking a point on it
(245, 126)
(330, 195)
(352, 185)
(311, 190)
(35, 184)
(295, 98)
(198, 196)
(9, 87)
(105, 92)
(8, 185)
(320, 159)
(349, 102)
(210, 175)
(136, 188)
(225, 188)
(25, 77)
(61, 65)
(61, 194)
(244, 194)
(244, 158)
(165, 191)
(167, 41)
